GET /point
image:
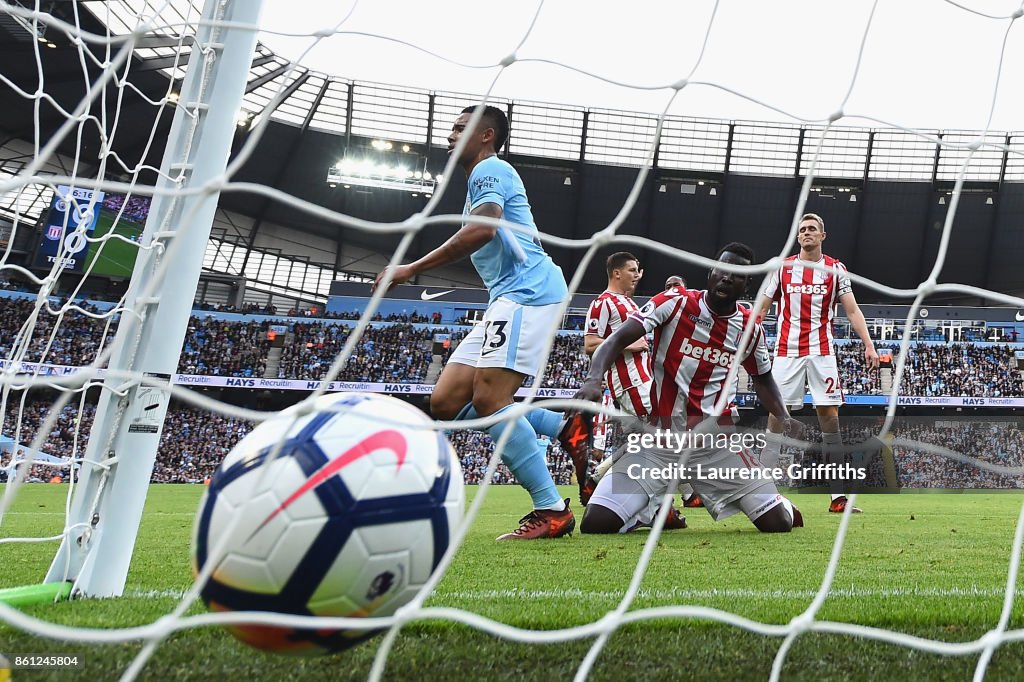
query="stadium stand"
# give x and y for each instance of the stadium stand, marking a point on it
(400, 346)
(396, 352)
(221, 348)
(194, 442)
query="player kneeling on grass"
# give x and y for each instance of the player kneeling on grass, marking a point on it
(696, 339)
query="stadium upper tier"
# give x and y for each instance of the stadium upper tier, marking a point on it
(885, 193)
(326, 102)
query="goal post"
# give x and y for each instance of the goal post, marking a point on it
(107, 506)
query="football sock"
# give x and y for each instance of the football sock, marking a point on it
(524, 457)
(771, 451)
(789, 508)
(546, 422)
(831, 443)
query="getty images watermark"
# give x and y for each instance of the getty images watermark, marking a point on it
(665, 442)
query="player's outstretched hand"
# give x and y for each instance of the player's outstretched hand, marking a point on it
(792, 428)
(590, 390)
(871, 357)
(400, 275)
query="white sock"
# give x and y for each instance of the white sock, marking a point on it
(771, 451)
(830, 443)
(830, 440)
(555, 507)
(603, 468)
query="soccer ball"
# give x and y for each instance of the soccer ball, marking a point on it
(349, 518)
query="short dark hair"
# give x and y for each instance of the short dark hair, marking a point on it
(682, 280)
(738, 249)
(495, 118)
(618, 260)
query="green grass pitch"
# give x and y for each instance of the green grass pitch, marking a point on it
(118, 257)
(930, 565)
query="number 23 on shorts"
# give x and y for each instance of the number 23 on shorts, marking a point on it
(494, 334)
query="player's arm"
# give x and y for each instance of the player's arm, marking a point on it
(602, 360)
(764, 305)
(470, 237)
(771, 290)
(770, 396)
(759, 366)
(860, 325)
(592, 342)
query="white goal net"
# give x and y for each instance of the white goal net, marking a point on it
(81, 383)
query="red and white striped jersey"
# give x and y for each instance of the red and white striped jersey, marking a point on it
(693, 348)
(807, 301)
(631, 370)
(600, 425)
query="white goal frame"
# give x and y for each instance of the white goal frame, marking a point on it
(106, 509)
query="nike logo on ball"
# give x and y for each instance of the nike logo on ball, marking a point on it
(430, 297)
(382, 440)
(1019, 316)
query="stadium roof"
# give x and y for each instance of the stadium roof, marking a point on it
(744, 176)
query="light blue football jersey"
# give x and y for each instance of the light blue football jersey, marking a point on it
(513, 264)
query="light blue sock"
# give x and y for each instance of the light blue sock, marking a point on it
(524, 457)
(545, 422)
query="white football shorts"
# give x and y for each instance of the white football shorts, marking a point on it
(819, 373)
(633, 489)
(511, 335)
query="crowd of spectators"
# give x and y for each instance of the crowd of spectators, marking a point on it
(393, 350)
(404, 316)
(393, 353)
(475, 449)
(854, 375)
(67, 437)
(915, 463)
(78, 340)
(220, 348)
(194, 442)
(961, 369)
(245, 309)
(136, 208)
(996, 443)
(567, 363)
